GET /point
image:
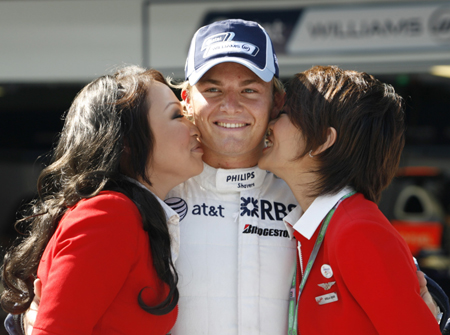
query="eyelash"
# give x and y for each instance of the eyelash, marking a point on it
(215, 90)
(178, 116)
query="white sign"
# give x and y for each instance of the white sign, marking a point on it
(371, 28)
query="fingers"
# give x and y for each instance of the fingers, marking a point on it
(422, 282)
(30, 315)
(37, 290)
(29, 318)
(426, 296)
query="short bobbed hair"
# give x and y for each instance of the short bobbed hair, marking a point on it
(369, 120)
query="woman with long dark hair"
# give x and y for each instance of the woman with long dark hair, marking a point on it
(100, 239)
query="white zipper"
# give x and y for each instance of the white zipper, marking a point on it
(299, 247)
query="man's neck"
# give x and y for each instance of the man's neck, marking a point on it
(230, 162)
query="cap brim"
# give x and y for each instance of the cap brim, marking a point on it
(265, 74)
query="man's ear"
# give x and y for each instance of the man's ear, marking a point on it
(278, 103)
(186, 102)
(331, 139)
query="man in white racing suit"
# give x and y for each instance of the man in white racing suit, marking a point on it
(236, 258)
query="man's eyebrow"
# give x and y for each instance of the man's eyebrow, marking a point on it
(210, 81)
(249, 82)
(218, 82)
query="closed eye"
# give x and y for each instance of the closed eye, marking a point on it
(178, 114)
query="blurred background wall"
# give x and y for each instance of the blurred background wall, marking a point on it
(50, 49)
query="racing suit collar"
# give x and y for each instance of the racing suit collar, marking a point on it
(229, 180)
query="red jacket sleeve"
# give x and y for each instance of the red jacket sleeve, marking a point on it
(379, 272)
(86, 263)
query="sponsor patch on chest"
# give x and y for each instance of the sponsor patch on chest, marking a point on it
(250, 229)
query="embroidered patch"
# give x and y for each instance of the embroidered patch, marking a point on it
(327, 298)
(327, 286)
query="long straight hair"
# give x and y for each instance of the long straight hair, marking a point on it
(106, 135)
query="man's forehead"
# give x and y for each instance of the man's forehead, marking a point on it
(220, 73)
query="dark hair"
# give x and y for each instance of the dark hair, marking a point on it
(108, 115)
(368, 117)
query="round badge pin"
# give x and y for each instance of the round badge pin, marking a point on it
(326, 271)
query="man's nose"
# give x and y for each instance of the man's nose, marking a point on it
(231, 103)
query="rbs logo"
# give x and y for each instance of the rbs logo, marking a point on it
(264, 209)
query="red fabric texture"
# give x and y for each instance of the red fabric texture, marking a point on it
(374, 274)
(93, 269)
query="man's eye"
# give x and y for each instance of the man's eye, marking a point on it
(213, 90)
(249, 90)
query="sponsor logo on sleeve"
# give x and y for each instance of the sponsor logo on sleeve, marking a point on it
(178, 205)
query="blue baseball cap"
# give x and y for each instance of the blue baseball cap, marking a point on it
(234, 40)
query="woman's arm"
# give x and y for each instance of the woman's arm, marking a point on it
(375, 262)
(95, 248)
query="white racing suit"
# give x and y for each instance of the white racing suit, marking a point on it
(236, 260)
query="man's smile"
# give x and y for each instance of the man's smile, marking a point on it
(231, 125)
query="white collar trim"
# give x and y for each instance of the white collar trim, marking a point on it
(307, 223)
(172, 218)
(167, 209)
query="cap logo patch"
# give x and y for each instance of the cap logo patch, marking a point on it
(217, 38)
(223, 43)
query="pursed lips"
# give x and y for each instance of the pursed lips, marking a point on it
(197, 147)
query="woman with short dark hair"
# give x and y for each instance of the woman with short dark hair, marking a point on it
(100, 239)
(337, 144)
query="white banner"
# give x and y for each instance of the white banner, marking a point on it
(371, 28)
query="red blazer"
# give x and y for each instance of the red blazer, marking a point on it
(93, 269)
(373, 277)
